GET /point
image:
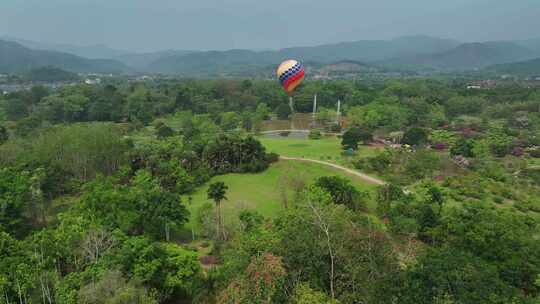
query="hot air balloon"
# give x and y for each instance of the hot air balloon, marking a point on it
(290, 74)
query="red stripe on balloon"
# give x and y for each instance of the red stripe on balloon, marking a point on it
(292, 79)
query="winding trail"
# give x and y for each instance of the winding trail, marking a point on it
(362, 176)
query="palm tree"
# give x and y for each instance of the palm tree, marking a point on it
(216, 192)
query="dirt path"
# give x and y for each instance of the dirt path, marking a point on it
(362, 176)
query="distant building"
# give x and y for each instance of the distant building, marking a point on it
(144, 78)
(482, 84)
(94, 81)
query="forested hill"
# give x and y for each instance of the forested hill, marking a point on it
(525, 68)
(15, 58)
(468, 56)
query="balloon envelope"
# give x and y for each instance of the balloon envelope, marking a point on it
(291, 74)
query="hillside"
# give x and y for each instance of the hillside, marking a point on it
(524, 68)
(532, 44)
(98, 51)
(466, 56)
(141, 61)
(15, 58)
(50, 74)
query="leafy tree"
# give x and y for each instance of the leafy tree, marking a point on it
(325, 115)
(183, 100)
(250, 220)
(283, 111)
(217, 192)
(443, 137)
(415, 137)
(157, 210)
(112, 288)
(167, 267)
(227, 154)
(341, 191)
(262, 280)
(499, 237)
(262, 112)
(463, 147)
(462, 276)
(353, 136)
(164, 131)
(230, 121)
(81, 150)
(386, 195)
(139, 106)
(15, 199)
(27, 126)
(4, 135)
(456, 106)
(327, 245)
(385, 112)
(15, 108)
(303, 294)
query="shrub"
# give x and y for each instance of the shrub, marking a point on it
(463, 147)
(439, 146)
(535, 153)
(315, 134)
(272, 157)
(518, 152)
(335, 128)
(415, 137)
(283, 111)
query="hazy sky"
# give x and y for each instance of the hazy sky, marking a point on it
(225, 24)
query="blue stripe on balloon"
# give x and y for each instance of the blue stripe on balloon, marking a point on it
(290, 72)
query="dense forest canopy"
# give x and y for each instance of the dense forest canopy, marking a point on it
(97, 184)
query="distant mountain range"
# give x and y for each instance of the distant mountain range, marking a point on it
(410, 53)
(15, 58)
(466, 56)
(362, 51)
(138, 61)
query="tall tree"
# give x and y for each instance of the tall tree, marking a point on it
(4, 135)
(217, 192)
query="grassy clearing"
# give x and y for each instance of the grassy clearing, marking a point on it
(261, 191)
(327, 148)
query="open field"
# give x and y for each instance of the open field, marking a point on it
(327, 148)
(261, 191)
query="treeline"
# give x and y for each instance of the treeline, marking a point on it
(390, 106)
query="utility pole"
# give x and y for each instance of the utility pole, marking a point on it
(291, 105)
(338, 115)
(314, 110)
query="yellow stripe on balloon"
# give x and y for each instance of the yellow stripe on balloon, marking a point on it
(286, 65)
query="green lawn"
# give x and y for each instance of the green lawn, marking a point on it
(328, 148)
(261, 191)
